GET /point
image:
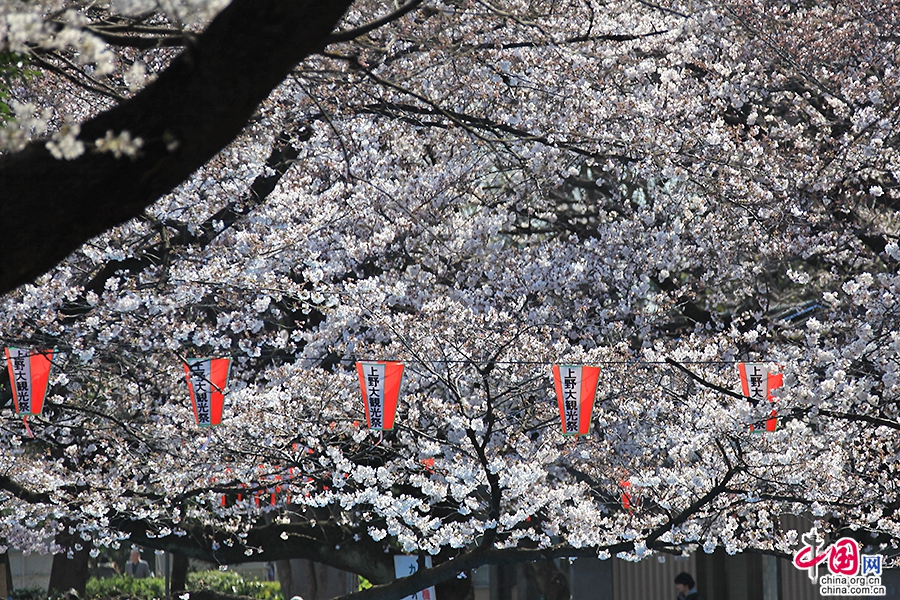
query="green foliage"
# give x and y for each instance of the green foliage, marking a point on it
(227, 582)
(32, 593)
(13, 66)
(122, 585)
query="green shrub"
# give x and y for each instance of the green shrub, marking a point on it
(225, 582)
(122, 585)
(229, 582)
(35, 593)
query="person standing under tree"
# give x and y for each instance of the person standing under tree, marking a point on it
(135, 567)
(686, 587)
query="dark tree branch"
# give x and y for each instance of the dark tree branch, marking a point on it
(279, 161)
(90, 85)
(494, 482)
(704, 382)
(140, 41)
(474, 124)
(698, 504)
(424, 578)
(824, 412)
(133, 27)
(605, 37)
(860, 418)
(8, 485)
(486, 555)
(323, 543)
(199, 104)
(352, 34)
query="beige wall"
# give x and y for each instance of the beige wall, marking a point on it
(30, 571)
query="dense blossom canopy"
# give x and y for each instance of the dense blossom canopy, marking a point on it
(478, 189)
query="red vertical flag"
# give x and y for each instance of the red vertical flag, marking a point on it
(380, 385)
(29, 377)
(626, 495)
(206, 379)
(757, 385)
(576, 388)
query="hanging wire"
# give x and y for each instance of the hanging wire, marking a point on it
(459, 361)
(546, 362)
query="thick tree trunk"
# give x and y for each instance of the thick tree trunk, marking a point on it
(456, 588)
(296, 578)
(310, 580)
(70, 573)
(6, 583)
(179, 572)
(550, 581)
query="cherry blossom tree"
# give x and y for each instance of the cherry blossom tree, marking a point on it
(479, 190)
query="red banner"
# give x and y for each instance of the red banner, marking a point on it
(206, 379)
(757, 385)
(576, 387)
(29, 377)
(380, 385)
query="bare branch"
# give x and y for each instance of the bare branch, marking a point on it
(351, 34)
(704, 382)
(140, 41)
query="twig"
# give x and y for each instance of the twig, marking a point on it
(351, 34)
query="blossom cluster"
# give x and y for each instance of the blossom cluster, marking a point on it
(480, 190)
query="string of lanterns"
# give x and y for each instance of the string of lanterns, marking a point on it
(380, 383)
